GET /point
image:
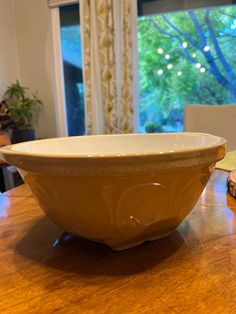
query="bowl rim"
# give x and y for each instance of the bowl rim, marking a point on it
(9, 149)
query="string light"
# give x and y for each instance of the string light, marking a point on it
(167, 57)
(194, 55)
(206, 48)
(169, 66)
(185, 45)
(160, 72)
(179, 73)
(233, 25)
(202, 70)
(160, 51)
(198, 65)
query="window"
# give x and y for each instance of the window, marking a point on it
(72, 67)
(186, 56)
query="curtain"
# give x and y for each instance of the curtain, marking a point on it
(109, 53)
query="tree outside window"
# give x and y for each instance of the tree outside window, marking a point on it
(186, 57)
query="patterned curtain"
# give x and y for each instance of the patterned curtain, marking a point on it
(107, 36)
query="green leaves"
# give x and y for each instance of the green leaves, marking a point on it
(15, 91)
(23, 107)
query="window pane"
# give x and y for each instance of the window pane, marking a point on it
(72, 64)
(185, 57)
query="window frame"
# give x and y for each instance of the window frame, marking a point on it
(59, 89)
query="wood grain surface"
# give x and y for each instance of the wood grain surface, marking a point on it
(4, 140)
(191, 271)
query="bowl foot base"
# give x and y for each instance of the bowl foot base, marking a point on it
(134, 243)
(67, 237)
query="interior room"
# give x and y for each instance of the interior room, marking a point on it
(117, 156)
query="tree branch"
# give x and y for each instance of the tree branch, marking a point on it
(198, 27)
(213, 69)
(177, 37)
(230, 35)
(228, 69)
(185, 35)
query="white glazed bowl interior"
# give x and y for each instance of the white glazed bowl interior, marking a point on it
(120, 145)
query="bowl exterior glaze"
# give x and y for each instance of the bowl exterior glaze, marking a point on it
(123, 201)
(120, 211)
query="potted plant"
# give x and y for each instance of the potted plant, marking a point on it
(5, 122)
(23, 108)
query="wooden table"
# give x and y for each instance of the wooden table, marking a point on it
(191, 271)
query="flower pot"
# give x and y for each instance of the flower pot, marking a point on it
(23, 135)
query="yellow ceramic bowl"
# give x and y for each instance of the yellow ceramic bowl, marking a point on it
(118, 189)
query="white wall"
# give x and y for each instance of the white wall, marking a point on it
(9, 69)
(36, 58)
